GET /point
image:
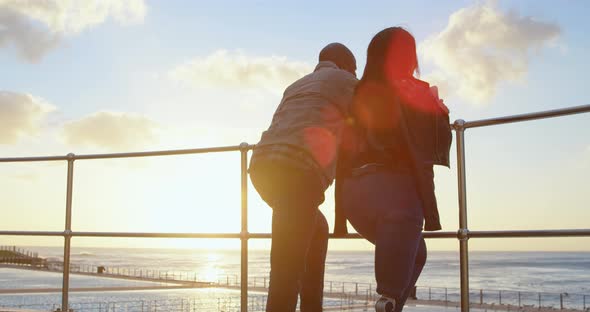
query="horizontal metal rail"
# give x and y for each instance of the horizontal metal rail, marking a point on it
(526, 117)
(530, 233)
(444, 234)
(233, 148)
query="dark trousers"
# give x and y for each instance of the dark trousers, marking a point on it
(392, 219)
(299, 235)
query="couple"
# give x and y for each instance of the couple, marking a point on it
(379, 138)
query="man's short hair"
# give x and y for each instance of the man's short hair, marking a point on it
(340, 55)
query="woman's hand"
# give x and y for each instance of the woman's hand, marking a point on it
(434, 91)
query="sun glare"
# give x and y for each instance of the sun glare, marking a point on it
(210, 272)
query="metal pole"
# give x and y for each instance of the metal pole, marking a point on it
(481, 296)
(67, 235)
(244, 147)
(561, 301)
(463, 233)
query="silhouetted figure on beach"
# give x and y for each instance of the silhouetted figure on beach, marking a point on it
(386, 188)
(292, 166)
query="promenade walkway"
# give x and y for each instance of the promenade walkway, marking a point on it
(353, 294)
(359, 299)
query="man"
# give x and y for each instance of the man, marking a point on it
(292, 166)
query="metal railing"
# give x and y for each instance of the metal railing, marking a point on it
(463, 234)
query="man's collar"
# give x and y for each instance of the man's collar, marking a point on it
(325, 64)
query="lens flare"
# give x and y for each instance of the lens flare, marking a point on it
(321, 143)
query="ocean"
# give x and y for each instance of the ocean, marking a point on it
(552, 278)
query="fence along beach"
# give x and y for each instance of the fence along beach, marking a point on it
(347, 294)
(463, 234)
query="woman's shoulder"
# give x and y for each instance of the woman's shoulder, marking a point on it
(417, 93)
(411, 86)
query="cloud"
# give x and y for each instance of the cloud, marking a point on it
(35, 27)
(230, 70)
(111, 131)
(482, 47)
(20, 115)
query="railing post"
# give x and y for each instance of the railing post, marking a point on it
(463, 233)
(67, 235)
(481, 296)
(244, 233)
(561, 301)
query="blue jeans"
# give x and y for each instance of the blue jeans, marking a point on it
(299, 235)
(391, 218)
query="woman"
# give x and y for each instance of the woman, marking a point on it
(388, 189)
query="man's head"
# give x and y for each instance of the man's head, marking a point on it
(340, 55)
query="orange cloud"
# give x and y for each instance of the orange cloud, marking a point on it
(236, 70)
(20, 115)
(111, 131)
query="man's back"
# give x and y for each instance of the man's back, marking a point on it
(312, 114)
(292, 166)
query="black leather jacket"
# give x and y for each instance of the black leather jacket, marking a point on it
(401, 126)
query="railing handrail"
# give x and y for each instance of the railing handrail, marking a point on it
(441, 234)
(529, 116)
(71, 156)
(463, 234)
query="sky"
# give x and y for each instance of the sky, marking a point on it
(115, 76)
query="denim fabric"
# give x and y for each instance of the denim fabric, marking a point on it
(386, 209)
(299, 235)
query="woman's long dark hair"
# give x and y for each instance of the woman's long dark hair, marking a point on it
(391, 54)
